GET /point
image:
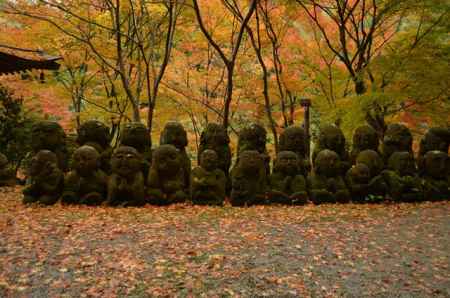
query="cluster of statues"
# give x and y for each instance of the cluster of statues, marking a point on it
(134, 174)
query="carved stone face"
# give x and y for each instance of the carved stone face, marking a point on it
(397, 138)
(436, 164)
(332, 138)
(85, 160)
(403, 163)
(372, 160)
(327, 163)
(93, 131)
(215, 134)
(174, 134)
(167, 159)
(126, 161)
(43, 161)
(360, 173)
(3, 161)
(365, 137)
(287, 163)
(47, 135)
(250, 162)
(209, 160)
(293, 139)
(253, 137)
(136, 135)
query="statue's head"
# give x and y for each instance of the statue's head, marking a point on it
(436, 163)
(43, 161)
(174, 134)
(136, 135)
(332, 138)
(403, 163)
(47, 135)
(126, 161)
(215, 134)
(167, 159)
(365, 137)
(436, 138)
(209, 160)
(327, 163)
(372, 160)
(397, 138)
(293, 139)
(287, 162)
(253, 137)
(93, 131)
(360, 173)
(250, 162)
(85, 160)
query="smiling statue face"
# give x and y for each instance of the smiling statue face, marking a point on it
(85, 160)
(209, 160)
(43, 160)
(167, 159)
(287, 163)
(126, 161)
(327, 163)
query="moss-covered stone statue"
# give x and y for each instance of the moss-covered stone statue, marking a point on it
(326, 183)
(402, 178)
(287, 184)
(248, 179)
(175, 134)
(364, 138)
(166, 182)
(208, 181)
(86, 183)
(96, 134)
(436, 182)
(136, 135)
(45, 179)
(49, 135)
(215, 137)
(435, 139)
(332, 138)
(7, 173)
(126, 185)
(397, 138)
(293, 139)
(254, 137)
(358, 179)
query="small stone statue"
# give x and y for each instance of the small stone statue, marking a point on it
(364, 138)
(215, 137)
(86, 183)
(332, 138)
(126, 183)
(49, 135)
(96, 134)
(287, 184)
(136, 135)
(45, 179)
(175, 134)
(166, 183)
(397, 138)
(358, 179)
(248, 179)
(436, 138)
(436, 183)
(326, 183)
(7, 173)
(208, 181)
(403, 182)
(254, 137)
(293, 139)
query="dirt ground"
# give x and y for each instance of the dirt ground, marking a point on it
(383, 250)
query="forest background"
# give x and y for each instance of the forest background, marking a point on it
(234, 62)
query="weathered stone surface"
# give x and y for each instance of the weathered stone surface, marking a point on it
(364, 138)
(166, 182)
(435, 139)
(287, 184)
(86, 183)
(377, 187)
(326, 183)
(254, 138)
(126, 183)
(248, 178)
(208, 181)
(215, 137)
(293, 139)
(136, 135)
(397, 138)
(436, 182)
(45, 179)
(7, 173)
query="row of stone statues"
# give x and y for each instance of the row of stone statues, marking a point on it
(134, 174)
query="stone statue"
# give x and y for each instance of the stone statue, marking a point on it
(215, 137)
(7, 173)
(364, 138)
(358, 179)
(326, 183)
(287, 184)
(175, 134)
(436, 180)
(96, 134)
(126, 185)
(293, 139)
(248, 179)
(45, 179)
(403, 182)
(208, 180)
(436, 138)
(254, 137)
(397, 138)
(332, 138)
(136, 135)
(86, 183)
(49, 135)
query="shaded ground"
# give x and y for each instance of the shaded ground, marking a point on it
(394, 250)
